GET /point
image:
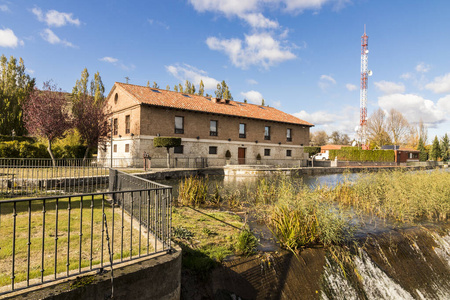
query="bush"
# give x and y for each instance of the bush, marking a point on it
(25, 149)
(356, 154)
(246, 243)
(167, 142)
(311, 150)
(228, 154)
(8, 138)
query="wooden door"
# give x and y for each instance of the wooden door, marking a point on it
(241, 156)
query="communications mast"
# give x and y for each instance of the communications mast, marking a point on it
(365, 73)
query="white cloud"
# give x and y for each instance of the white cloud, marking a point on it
(406, 76)
(158, 23)
(257, 20)
(194, 75)
(29, 71)
(440, 84)
(444, 104)
(4, 8)
(388, 87)
(414, 107)
(301, 5)
(276, 104)
(325, 82)
(252, 81)
(8, 39)
(317, 118)
(351, 87)
(423, 68)
(53, 39)
(109, 59)
(259, 49)
(253, 97)
(55, 18)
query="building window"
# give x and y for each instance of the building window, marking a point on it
(127, 124)
(116, 98)
(115, 126)
(289, 135)
(212, 150)
(267, 133)
(127, 147)
(213, 128)
(115, 148)
(288, 152)
(178, 149)
(242, 132)
(266, 152)
(179, 124)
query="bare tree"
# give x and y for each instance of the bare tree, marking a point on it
(398, 127)
(377, 128)
(319, 138)
(46, 114)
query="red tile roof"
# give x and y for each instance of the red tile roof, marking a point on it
(333, 147)
(158, 97)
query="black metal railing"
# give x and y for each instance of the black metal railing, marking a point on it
(49, 238)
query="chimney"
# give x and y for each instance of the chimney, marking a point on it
(215, 100)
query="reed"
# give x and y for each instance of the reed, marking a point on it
(193, 191)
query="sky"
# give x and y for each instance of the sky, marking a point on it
(302, 56)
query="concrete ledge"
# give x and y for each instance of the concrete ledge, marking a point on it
(154, 277)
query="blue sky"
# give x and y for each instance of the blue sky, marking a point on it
(301, 56)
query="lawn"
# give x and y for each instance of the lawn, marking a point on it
(77, 246)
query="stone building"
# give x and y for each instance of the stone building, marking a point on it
(208, 128)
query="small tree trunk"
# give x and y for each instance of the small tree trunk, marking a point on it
(168, 158)
(49, 149)
(86, 155)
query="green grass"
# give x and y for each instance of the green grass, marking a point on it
(76, 222)
(206, 236)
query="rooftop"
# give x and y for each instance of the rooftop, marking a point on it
(164, 98)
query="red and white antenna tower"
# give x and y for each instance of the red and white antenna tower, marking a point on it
(365, 73)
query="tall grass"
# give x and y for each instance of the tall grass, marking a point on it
(193, 191)
(403, 196)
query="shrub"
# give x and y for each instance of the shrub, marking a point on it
(311, 150)
(8, 138)
(355, 154)
(246, 243)
(228, 154)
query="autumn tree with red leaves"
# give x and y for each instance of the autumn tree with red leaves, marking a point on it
(46, 114)
(90, 111)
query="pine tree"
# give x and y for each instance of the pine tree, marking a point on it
(155, 85)
(445, 148)
(423, 155)
(435, 153)
(201, 89)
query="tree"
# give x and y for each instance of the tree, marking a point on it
(435, 152)
(89, 111)
(180, 87)
(148, 83)
(445, 148)
(201, 88)
(15, 88)
(189, 88)
(155, 85)
(167, 142)
(222, 91)
(175, 88)
(423, 155)
(245, 100)
(377, 128)
(262, 102)
(423, 132)
(397, 126)
(46, 114)
(167, 87)
(319, 138)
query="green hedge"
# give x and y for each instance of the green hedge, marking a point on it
(25, 149)
(7, 138)
(167, 142)
(355, 154)
(311, 150)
